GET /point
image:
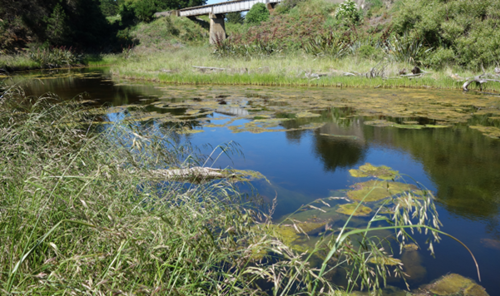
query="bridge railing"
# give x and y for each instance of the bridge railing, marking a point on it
(217, 8)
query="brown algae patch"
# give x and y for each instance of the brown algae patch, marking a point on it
(368, 170)
(413, 263)
(376, 190)
(350, 209)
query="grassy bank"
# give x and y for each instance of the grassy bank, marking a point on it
(294, 69)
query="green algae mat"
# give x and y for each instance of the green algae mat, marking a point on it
(258, 110)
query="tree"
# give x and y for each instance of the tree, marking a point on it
(235, 18)
(257, 14)
(56, 25)
(109, 7)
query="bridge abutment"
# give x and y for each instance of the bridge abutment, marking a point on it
(217, 28)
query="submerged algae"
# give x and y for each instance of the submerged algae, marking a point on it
(385, 261)
(454, 284)
(294, 235)
(350, 209)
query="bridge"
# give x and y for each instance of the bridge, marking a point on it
(216, 12)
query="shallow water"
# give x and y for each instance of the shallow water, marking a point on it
(306, 140)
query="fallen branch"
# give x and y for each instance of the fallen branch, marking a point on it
(203, 69)
(479, 80)
(204, 173)
(192, 173)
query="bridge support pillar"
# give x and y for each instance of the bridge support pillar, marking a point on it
(217, 28)
(270, 6)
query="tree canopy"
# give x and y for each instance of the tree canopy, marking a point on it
(76, 23)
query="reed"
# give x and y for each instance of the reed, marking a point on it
(81, 212)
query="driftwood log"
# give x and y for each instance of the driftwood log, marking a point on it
(192, 173)
(203, 69)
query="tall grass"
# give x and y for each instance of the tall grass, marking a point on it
(83, 213)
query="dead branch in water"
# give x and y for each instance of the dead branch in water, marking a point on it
(480, 79)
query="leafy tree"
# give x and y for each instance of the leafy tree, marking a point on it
(235, 18)
(109, 7)
(145, 9)
(56, 25)
(257, 14)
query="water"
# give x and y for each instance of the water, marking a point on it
(312, 158)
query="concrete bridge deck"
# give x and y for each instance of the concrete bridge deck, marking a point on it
(216, 13)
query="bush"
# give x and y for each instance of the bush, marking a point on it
(441, 57)
(55, 57)
(257, 14)
(468, 28)
(286, 5)
(367, 51)
(349, 12)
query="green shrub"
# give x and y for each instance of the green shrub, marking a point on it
(286, 5)
(471, 29)
(55, 57)
(366, 51)
(441, 57)
(349, 12)
(257, 14)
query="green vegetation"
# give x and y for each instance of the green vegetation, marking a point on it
(464, 33)
(257, 14)
(309, 43)
(37, 23)
(380, 41)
